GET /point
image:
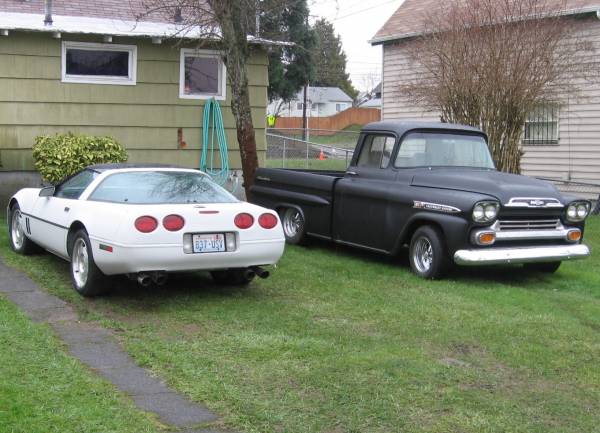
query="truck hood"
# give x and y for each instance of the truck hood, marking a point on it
(502, 186)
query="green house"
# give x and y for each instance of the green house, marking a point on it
(98, 70)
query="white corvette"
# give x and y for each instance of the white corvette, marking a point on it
(145, 221)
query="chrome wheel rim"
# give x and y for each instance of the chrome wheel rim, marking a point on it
(292, 223)
(16, 230)
(423, 255)
(80, 263)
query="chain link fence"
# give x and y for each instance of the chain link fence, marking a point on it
(321, 150)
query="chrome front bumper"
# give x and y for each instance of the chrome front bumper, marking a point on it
(495, 256)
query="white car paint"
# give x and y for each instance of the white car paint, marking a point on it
(48, 220)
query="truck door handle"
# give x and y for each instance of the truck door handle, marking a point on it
(67, 209)
(352, 173)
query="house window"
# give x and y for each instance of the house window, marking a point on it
(541, 127)
(202, 75)
(91, 63)
(299, 106)
(340, 107)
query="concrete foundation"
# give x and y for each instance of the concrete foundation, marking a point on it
(12, 181)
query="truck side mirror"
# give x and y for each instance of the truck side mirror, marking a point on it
(47, 191)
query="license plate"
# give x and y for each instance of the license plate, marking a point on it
(209, 243)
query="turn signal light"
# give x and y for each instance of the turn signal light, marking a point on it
(173, 223)
(267, 221)
(146, 224)
(486, 238)
(574, 235)
(243, 221)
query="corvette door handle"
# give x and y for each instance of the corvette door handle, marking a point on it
(67, 209)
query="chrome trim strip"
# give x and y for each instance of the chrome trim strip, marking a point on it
(435, 207)
(557, 232)
(534, 202)
(495, 256)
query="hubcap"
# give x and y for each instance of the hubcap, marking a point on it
(16, 231)
(423, 255)
(79, 263)
(292, 222)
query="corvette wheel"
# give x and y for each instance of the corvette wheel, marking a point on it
(86, 278)
(233, 277)
(428, 255)
(19, 242)
(293, 225)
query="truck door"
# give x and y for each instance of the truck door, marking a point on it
(362, 196)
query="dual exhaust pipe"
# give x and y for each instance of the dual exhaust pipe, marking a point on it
(145, 279)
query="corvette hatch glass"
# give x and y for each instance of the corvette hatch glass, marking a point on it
(160, 187)
(425, 149)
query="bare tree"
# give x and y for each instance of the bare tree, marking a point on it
(226, 25)
(489, 63)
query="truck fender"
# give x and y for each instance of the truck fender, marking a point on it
(446, 223)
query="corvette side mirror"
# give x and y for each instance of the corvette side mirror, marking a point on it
(47, 191)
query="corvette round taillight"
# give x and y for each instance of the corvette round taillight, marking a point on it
(146, 224)
(267, 221)
(173, 223)
(243, 220)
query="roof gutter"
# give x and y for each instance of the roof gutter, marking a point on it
(400, 36)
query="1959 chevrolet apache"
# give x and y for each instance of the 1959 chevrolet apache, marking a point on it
(434, 188)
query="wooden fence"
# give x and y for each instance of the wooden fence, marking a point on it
(342, 120)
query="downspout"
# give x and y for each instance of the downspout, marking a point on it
(48, 12)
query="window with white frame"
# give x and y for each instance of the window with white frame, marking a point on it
(340, 107)
(93, 63)
(299, 106)
(541, 127)
(202, 75)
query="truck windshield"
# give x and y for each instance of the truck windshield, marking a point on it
(429, 149)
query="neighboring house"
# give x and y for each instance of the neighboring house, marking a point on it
(95, 70)
(374, 99)
(560, 142)
(322, 102)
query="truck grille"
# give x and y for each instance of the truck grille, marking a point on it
(546, 224)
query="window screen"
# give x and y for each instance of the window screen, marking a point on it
(202, 75)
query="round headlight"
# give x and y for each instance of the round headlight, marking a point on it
(491, 211)
(582, 211)
(478, 213)
(572, 212)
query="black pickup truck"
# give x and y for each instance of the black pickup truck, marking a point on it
(432, 187)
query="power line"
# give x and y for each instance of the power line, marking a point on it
(363, 10)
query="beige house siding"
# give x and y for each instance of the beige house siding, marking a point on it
(577, 155)
(145, 117)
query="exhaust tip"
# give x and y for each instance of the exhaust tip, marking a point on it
(261, 272)
(144, 280)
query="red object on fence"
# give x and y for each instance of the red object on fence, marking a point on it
(321, 156)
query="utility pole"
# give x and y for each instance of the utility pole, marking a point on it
(304, 116)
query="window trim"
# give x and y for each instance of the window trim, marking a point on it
(131, 80)
(191, 52)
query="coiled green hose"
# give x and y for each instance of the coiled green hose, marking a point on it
(213, 130)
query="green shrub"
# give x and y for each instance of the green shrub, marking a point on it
(59, 156)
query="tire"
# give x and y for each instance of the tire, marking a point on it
(86, 278)
(545, 267)
(294, 226)
(232, 277)
(428, 255)
(19, 242)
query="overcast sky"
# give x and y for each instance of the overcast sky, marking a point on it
(356, 21)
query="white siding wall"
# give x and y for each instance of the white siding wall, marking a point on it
(575, 158)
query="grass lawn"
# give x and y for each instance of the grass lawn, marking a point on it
(346, 138)
(43, 390)
(342, 341)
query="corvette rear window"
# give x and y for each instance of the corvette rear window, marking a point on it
(160, 187)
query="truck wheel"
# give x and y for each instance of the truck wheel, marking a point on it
(546, 267)
(19, 242)
(293, 225)
(86, 278)
(233, 277)
(427, 254)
